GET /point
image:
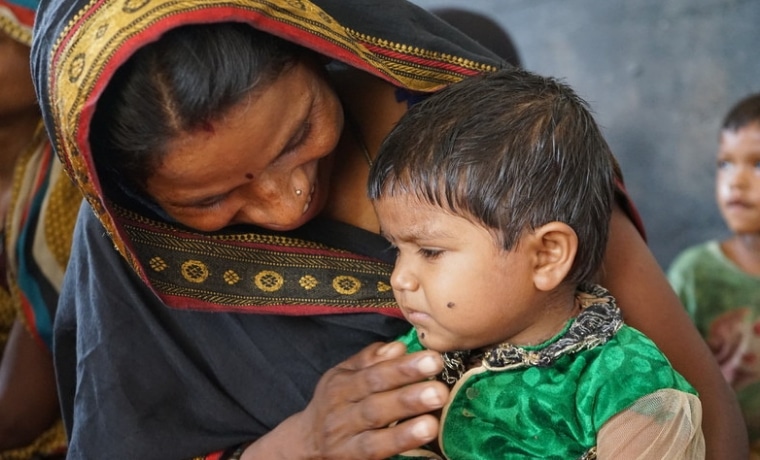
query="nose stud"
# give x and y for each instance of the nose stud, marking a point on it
(299, 192)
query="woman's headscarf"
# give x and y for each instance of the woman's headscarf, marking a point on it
(79, 44)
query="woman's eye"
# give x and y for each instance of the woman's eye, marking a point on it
(211, 203)
(299, 138)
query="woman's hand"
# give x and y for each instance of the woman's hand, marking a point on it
(354, 405)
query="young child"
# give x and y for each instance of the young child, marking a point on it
(719, 281)
(497, 194)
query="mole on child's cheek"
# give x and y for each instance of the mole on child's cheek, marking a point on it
(248, 176)
(450, 305)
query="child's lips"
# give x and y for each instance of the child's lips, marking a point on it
(415, 316)
(738, 204)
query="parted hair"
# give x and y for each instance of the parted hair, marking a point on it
(186, 80)
(510, 150)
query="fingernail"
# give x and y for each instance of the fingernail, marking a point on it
(421, 430)
(382, 351)
(430, 397)
(391, 349)
(427, 365)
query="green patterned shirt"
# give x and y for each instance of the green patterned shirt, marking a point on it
(549, 401)
(724, 302)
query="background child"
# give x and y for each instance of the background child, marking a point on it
(719, 281)
(497, 195)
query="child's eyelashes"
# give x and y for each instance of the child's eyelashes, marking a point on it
(430, 253)
(426, 253)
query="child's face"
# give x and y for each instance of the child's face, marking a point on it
(738, 179)
(455, 284)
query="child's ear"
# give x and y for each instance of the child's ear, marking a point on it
(555, 245)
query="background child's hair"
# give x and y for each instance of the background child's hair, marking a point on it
(744, 112)
(509, 150)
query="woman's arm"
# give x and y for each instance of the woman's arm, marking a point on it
(634, 277)
(28, 397)
(355, 402)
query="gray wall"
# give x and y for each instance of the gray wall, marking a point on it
(660, 75)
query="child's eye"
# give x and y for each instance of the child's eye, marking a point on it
(723, 164)
(430, 253)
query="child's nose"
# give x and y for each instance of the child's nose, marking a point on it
(402, 278)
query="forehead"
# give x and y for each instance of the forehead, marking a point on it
(249, 135)
(408, 217)
(747, 136)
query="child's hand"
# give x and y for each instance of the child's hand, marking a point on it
(729, 338)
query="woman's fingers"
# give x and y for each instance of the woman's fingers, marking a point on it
(374, 370)
(375, 404)
(386, 442)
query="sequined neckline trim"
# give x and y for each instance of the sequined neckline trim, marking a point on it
(598, 322)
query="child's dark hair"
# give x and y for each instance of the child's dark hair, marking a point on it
(510, 150)
(743, 113)
(182, 82)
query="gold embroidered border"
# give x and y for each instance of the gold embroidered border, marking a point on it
(263, 271)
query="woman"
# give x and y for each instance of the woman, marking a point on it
(251, 274)
(38, 207)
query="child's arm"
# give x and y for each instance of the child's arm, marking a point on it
(664, 424)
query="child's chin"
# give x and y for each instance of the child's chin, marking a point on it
(431, 343)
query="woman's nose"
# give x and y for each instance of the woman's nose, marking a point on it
(273, 203)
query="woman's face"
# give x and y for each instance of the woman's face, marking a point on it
(267, 162)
